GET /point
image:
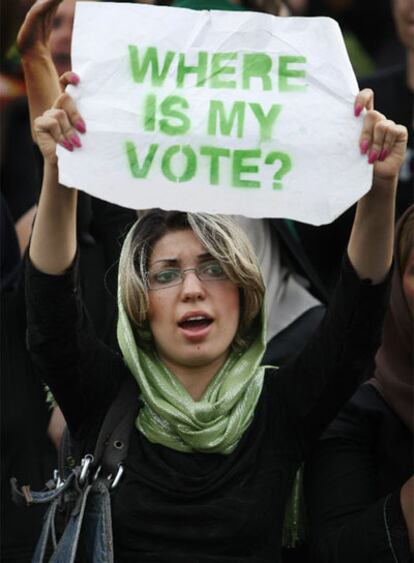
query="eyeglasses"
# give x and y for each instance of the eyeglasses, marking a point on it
(164, 277)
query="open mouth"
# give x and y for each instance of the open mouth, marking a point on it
(195, 323)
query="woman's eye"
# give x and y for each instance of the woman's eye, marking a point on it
(214, 270)
(166, 276)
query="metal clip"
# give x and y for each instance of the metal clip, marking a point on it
(56, 478)
(85, 463)
(97, 473)
(117, 477)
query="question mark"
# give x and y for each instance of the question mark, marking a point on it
(285, 167)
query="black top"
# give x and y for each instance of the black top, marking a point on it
(353, 483)
(181, 507)
(26, 451)
(21, 163)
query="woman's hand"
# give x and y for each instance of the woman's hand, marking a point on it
(53, 242)
(34, 34)
(383, 141)
(59, 125)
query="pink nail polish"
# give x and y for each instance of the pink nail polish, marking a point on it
(357, 110)
(364, 146)
(383, 155)
(80, 126)
(67, 145)
(373, 155)
(74, 78)
(76, 141)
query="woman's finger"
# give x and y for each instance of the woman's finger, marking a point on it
(64, 134)
(363, 100)
(48, 124)
(64, 101)
(68, 78)
(383, 140)
(367, 133)
(48, 132)
(68, 137)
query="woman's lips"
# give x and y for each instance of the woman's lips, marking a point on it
(195, 328)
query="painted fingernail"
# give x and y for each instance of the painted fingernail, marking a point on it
(383, 154)
(76, 141)
(364, 146)
(74, 78)
(67, 145)
(357, 110)
(373, 155)
(80, 126)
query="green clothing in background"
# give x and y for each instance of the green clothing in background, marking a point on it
(206, 5)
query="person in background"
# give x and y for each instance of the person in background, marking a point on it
(27, 442)
(359, 479)
(17, 156)
(394, 95)
(26, 421)
(44, 43)
(369, 23)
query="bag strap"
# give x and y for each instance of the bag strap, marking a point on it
(113, 439)
(24, 496)
(67, 456)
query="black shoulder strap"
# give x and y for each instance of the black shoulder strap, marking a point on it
(112, 444)
(113, 440)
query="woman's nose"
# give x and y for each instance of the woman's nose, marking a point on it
(192, 286)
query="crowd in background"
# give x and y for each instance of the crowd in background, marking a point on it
(366, 454)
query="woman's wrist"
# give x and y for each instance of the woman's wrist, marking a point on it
(36, 55)
(384, 186)
(51, 170)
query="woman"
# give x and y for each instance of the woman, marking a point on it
(218, 439)
(360, 480)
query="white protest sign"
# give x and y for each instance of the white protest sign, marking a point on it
(230, 112)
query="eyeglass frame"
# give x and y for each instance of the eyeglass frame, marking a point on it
(182, 275)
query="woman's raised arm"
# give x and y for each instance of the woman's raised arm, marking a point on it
(53, 243)
(371, 243)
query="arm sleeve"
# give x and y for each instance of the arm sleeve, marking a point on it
(82, 373)
(348, 520)
(312, 388)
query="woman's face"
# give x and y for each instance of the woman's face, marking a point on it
(61, 36)
(195, 322)
(408, 281)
